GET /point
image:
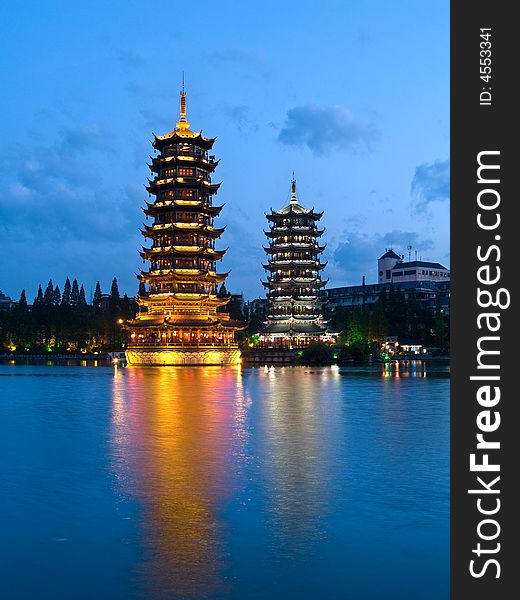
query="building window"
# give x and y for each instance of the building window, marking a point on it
(388, 274)
(185, 171)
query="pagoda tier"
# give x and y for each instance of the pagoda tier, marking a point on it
(203, 186)
(181, 205)
(292, 216)
(186, 228)
(179, 140)
(294, 284)
(294, 307)
(180, 319)
(177, 165)
(281, 248)
(294, 265)
(297, 231)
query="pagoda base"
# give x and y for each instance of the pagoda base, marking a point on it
(182, 356)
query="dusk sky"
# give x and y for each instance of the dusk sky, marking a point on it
(351, 96)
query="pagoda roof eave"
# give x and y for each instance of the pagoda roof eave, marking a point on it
(295, 328)
(159, 162)
(152, 207)
(166, 323)
(182, 135)
(289, 283)
(195, 227)
(275, 215)
(272, 233)
(294, 246)
(278, 266)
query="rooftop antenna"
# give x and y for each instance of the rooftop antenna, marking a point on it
(416, 255)
(410, 252)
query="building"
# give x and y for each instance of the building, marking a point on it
(294, 306)
(6, 303)
(429, 293)
(426, 282)
(256, 309)
(178, 320)
(391, 267)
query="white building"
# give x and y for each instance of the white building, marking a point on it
(392, 268)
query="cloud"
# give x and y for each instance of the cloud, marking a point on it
(358, 254)
(131, 60)
(241, 116)
(60, 191)
(365, 34)
(431, 183)
(83, 139)
(324, 129)
(250, 62)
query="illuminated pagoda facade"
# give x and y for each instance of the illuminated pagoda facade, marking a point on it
(181, 318)
(294, 306)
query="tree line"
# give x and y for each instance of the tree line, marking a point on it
(65, 322)
(363, 328)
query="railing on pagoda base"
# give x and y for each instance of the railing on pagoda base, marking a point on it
(182, 339)
(292, 342)
(182, 356)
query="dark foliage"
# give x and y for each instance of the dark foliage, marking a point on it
(317, 354)
(64, 323)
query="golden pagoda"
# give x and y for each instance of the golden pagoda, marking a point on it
(181, 318)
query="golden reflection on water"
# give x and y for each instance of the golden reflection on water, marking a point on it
(174, 433)
(183, 442)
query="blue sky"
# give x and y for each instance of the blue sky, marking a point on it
(351, 96)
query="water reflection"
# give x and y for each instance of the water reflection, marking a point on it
(175, 432)
(411, 368)
(299, 439)
(181, 441)
(282, 482)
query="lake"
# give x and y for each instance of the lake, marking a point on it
(221, 483)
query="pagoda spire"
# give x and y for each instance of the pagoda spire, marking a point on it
(182, 123)
(294, 199)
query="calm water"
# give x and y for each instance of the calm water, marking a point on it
(211, 483)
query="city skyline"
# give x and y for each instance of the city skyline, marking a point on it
(362, 120)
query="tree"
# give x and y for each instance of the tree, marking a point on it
(142, 289)
(440, 331)
(74, 294)
(65, 298)
(125, 306)
(114, 299)
(22, 303)
(82, 302)
(48, 296)
(56, 300)
(38, 301)
(317, 353)
(96, 300)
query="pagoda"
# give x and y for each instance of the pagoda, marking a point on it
(181, 318)
(294, 307)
